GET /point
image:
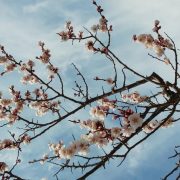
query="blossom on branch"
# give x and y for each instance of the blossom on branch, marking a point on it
(3, 167)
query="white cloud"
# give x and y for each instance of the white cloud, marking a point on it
(32, 8)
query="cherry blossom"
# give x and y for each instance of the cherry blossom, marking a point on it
(135, 120)
(3, 167)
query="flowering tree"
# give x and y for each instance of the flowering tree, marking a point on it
(119, 119)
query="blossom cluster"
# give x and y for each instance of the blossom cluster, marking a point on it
(11, 116)
(5, 102)
(90, 45)
(29, 79)
(101, 136)
(45, 56)
(7, 144)
(98, 112)
(69, 32)
(25, 138)
(134, 120)
(44, 158)
(40, 103)
(105, 102)
(98, 135)
(168, 123)
(38, 93)
(152, 125)
(10, 108)
(3, 60)
(63, 152)
(27, 66)
(104, 50)
(9, 65)
(102, 26)
(92, 125)
(134, 97)
(3, 167)
(158, 45)
(52, 71)
(130, 120)
(27, 69)
(101, 111)
(42, 107)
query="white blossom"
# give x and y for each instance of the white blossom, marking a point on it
(115, 132)
(135, 120)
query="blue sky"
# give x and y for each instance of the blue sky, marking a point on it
(24, 23)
